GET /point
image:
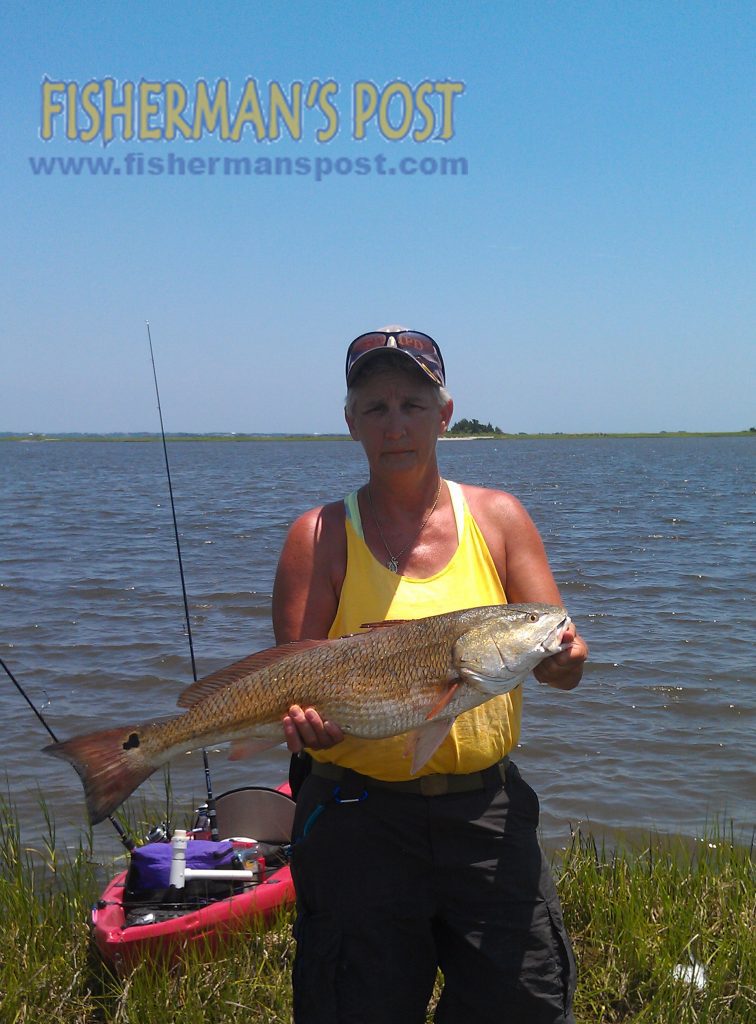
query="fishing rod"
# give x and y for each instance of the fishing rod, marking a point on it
(123, 835)
(214, 834)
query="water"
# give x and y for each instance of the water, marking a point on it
(651, 541)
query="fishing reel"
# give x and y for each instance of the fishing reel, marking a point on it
(158, 833)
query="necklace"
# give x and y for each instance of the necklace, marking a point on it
(393, 562)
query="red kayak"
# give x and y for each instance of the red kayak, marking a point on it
(140, 915)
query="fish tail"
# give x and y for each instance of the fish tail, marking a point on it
(111, 764)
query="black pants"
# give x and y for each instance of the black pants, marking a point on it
(392, 886)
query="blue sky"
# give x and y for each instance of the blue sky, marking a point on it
(592, 271)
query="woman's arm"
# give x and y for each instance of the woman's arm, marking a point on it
(305, 599)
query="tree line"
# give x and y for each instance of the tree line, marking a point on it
(465, 427)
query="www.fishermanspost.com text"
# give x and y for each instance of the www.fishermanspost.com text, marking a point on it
(317, 168)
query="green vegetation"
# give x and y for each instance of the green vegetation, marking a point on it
(633, 916)
(474, 428)
(137, 437)
(636, 917)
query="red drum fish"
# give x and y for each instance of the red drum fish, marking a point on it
(411, 677)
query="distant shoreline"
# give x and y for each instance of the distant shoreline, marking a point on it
(144, 437)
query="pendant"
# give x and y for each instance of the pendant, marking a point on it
(392, 564)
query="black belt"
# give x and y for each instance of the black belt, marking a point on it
(426, 785)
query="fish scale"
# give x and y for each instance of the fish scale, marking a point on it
(395, 678)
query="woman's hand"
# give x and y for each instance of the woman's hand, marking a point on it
(565, 669)
(305, 728)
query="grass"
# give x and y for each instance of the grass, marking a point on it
(633, 916)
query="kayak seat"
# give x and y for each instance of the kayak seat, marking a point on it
(255, 812)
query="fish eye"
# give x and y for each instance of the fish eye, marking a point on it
(533, 617)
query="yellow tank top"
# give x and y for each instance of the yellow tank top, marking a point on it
(372, 593)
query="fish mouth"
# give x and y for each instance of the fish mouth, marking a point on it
(553, 642)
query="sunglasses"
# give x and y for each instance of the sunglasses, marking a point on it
(420, 347)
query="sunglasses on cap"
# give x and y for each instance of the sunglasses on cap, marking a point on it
(421, 348)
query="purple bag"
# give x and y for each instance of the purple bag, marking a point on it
(151, 864)
(149, 874)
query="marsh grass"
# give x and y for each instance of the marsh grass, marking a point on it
(634, 915)
(44, 899)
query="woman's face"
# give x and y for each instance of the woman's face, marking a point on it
(397, 420)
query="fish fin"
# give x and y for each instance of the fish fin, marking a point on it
(251, 745)
(386, 622)
(110, 764)
(423, 743)
(252, 663)
(443, 700)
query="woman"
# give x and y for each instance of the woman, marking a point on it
(393, 882)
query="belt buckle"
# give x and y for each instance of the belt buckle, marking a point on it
(434, 785)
